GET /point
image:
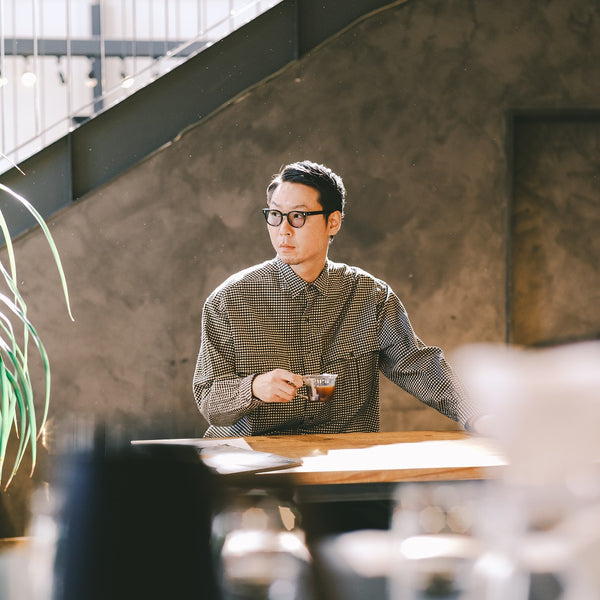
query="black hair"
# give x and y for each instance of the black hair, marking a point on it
(332, 194)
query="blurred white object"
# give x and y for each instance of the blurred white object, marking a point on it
(544, 406)
(541, 524)
(435, 542)
(261, 550)
(15, 558)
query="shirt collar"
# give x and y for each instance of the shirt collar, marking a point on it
(296, 284)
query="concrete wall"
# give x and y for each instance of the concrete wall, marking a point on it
(409, 106)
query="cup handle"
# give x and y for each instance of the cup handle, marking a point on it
(314, 395)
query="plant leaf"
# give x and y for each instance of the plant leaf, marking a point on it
(49, 238)
(16, 391)
(29, 432)
(16, 166)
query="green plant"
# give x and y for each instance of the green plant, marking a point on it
(17, 408)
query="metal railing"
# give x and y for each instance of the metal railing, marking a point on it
(64, 61)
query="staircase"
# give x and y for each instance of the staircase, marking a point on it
(118, 138)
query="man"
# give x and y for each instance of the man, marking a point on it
(301, 313)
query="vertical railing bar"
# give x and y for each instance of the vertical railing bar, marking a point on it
(69, 64)
(152, 38)
(150, 23)
(199, 6)
(42, 80)
(15, 87)
(134, 36)
(166, 32)
(34, 65)
(124, 36)
(2, 74)
(103, 66)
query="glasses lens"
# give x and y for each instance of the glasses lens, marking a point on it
(273, 217)
(296, 219)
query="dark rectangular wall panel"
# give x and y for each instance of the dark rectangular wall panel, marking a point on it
(555, 229)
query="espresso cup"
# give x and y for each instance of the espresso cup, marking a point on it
(321, 386)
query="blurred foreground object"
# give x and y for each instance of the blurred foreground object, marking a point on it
(530, 530)
(136, 524)
(260, 548)
(435, 540)
(540, 522)
(544, 406)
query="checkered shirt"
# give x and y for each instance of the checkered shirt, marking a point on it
(345, 322)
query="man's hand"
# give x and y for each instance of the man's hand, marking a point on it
(278, 385)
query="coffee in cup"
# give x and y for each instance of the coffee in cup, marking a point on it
(321, 386)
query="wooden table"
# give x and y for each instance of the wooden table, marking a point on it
(358, 465)
(352, 466)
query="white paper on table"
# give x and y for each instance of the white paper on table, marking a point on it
(475, 452)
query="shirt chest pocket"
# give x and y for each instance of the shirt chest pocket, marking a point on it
(357, 366)
(354, 361)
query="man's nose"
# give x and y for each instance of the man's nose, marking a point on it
(284, 227)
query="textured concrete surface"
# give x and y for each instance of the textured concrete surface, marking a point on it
(555, 229)
(409, 106)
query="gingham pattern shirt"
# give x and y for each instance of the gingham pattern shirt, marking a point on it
(345, 322)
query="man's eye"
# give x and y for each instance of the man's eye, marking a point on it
(296, 216)
(274, 214)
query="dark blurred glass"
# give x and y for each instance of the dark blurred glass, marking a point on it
(136, 523)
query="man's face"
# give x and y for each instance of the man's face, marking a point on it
(303, 248)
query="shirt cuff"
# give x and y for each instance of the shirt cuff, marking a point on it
(254, 401)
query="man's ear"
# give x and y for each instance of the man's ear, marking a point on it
(334, 222)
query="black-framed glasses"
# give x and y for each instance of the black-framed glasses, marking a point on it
(296, 218)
